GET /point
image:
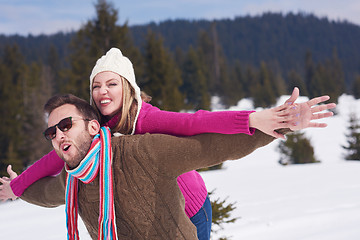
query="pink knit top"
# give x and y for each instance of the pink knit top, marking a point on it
(153, 120)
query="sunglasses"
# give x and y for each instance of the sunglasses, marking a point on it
(64, 125)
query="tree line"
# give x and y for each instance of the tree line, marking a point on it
(281, 40)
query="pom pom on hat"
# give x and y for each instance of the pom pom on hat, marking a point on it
(115, 61)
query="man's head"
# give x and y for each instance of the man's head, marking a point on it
(72, 125)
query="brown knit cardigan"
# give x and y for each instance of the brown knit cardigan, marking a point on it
(148, 202)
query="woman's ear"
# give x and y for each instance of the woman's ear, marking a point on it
(93, 127)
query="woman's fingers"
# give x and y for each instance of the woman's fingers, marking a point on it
(318, 100)
(317, 125)
(321, 115)
(323, 107)
(294, 96)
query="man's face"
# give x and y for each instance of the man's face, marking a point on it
(73, 144)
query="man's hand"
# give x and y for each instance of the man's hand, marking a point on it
(5, 189)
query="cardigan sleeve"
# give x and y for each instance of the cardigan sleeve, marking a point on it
(47, 192)
(153, 120)
(176, 155)
(49, 165)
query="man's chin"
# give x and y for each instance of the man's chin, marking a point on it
(72, 162)
(77, 152)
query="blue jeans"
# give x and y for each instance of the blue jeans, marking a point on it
(202, 220)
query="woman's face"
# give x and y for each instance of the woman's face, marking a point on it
(107, 93)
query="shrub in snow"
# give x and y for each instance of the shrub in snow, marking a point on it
(297, 149)
(353, 139)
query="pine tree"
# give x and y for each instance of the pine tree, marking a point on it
(38, 88)
(318, 82)
(279, 84)
(55, 69)
(233, 81)
(213, 58)
(12, 158)
(216, 57)
(205, 49)
(227, 89)
(325, 78)
(310, 75)
(353, 139)
(239, 80)
(12, 71)
(163, 77)
(194, 86)
(297, 149)
(335, 84)
(264, 95)
(295, 80)
(221, 211)
(251, 82)
(93, 40)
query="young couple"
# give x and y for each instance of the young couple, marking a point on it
(117, 98)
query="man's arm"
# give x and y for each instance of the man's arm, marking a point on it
(47, 192)
(176, 155)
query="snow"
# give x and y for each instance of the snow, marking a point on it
(273, 202)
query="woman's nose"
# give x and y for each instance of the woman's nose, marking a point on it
(103, 90)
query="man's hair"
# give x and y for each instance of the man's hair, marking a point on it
(83, 107)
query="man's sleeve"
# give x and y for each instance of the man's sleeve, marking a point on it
(47, 192)
(176, 155)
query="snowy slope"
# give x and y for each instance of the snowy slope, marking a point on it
(306, 202)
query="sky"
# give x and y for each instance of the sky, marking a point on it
(298, 202)
(36, 17)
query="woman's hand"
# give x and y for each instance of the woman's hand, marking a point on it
(295, 116)
(307, 111)
(5, 189)
(269, 120)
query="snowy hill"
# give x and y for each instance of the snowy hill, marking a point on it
(273, 202)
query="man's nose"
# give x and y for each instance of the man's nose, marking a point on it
(59, 134)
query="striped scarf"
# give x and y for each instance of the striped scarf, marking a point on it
(98, 158)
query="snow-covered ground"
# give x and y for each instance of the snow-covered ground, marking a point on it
(273, 202)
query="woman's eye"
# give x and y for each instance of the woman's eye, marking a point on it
(95, 87)
(113, 84)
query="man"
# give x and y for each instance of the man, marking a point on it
(142, 178)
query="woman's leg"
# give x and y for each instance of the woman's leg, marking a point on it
(202, 220)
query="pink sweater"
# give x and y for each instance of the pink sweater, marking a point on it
(153, 120)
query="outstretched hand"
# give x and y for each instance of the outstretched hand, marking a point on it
(5, 188)
(295, 116)
(307, 111)
(283, 116)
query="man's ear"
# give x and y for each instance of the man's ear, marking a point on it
(93, 127)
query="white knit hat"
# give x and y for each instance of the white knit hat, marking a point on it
(114, 61)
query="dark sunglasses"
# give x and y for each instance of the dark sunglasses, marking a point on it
(64, 125)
